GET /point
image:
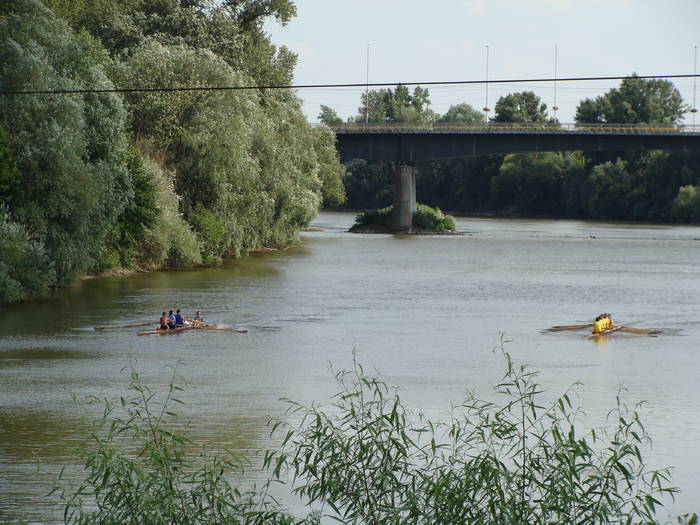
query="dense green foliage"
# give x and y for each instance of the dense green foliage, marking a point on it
(425, 218)
(172, 178)
(522, 458)
(368, 459)
(524, 107)
(636, 101)
(25, 268)
(139, 469)
(70, 151)
(395, 105)
(660, 186)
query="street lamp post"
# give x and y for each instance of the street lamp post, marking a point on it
(486, 108)
(694, 109)
(555, 108)
(367, 89)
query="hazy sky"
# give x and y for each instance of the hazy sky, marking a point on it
(445, 40)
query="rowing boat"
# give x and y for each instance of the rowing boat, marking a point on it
(605, 332)
(170, 330)
(185, 328)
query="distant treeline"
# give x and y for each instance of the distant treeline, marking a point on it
(658, 186)
(94, 181)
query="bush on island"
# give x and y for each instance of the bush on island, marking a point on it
(425, 219)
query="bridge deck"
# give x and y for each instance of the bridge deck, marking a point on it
(517, 128)
(414, 143)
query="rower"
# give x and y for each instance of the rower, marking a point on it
(171, 320)
(163, 322)
(179, 320)
(610, 321)
(599, 324)
(198, 320)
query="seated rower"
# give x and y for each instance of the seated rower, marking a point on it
(179, 320)
(163, 322)
(198, 320)
(599, 325)
(171, 320)
(610, 321)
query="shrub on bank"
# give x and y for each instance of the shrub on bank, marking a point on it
(368, 459)
(425, 219)
(25, 268)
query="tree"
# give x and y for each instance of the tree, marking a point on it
(25, 268)
(646, 187)
(636, 101)
(70, 151)
(398, 105)
(328, 116)
(686, 205)
(524, 107)
(463, 113)
(331, 170)
(614, 191)
(534, 183)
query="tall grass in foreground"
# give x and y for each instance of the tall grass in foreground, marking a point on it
(137, 471)
(369, 460)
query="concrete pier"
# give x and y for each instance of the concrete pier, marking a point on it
(404, 197)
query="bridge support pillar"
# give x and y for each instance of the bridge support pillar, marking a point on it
(404, 197)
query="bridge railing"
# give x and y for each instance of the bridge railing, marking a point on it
(512, 127)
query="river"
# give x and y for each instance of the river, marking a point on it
(425, 311)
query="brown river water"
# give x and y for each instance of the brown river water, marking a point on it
(424, 311)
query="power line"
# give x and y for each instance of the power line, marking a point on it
(327, 86)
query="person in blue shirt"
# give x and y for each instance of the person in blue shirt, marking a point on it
(171, 320)
(179, 320)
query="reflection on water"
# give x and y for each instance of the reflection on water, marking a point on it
(425, 311)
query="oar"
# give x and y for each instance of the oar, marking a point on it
(225, 329)
(124, 326)
(568, 327)
(641, 331)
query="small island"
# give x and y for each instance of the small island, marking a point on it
(426, 221)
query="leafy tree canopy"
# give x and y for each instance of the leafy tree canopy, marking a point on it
(329, 116)
(231, 29)
(396, 105)
(523, 107)
(636, 101)
(463, 113)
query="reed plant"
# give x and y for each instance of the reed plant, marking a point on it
(140, 470)
(367, 459)
(370, 460)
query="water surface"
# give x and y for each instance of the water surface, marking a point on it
(426, 311)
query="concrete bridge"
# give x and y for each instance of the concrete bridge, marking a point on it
(406, 144)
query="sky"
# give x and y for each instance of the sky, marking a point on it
(445, 40)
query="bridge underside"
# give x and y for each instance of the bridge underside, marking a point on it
(406, 149)
(417, 147)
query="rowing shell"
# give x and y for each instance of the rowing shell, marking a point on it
(169, 330)
(605, 332)
(184, 328)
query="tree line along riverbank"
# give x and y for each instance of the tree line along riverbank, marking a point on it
(93, 181)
